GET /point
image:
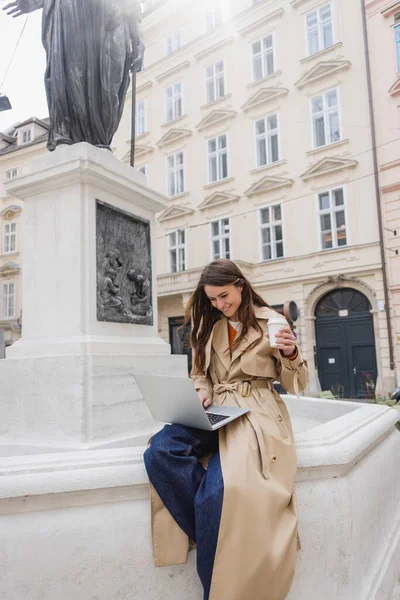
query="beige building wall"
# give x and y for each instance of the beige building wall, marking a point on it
(383, 23)
(16, 156)
(294, 181)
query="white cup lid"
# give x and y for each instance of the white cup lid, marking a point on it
(277, 320)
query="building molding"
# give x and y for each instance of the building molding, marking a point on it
(144, 86)
(9, 268)
(214, 47)
(328, 165)
(9, 212)
(218, 198)
(395, 88)
(214, 117)
(268, 183)
(173, 135)
(322, 69)
(175, 69)
(320, 53)
(174, 212)
(261, 23)
(387, 189)
(392, 8)
(334, 282)
(263, 96)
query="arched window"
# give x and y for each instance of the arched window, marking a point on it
(342, 302)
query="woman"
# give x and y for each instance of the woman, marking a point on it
(241, 511)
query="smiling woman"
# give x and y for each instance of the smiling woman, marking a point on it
(241, 511)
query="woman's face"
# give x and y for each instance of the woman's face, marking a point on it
(226, 298)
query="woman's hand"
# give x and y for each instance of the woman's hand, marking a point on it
(286, 341)
(204, 400)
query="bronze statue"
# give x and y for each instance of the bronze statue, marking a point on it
(91, 45)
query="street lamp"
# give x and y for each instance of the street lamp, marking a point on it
(5, 103)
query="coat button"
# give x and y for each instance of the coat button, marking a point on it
(273, 458)
(279, 417)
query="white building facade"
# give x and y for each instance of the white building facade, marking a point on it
(257, 128)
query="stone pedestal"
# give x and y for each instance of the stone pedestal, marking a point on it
(89, 224)
(93, 508)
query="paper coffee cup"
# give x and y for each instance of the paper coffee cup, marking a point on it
(275, 324)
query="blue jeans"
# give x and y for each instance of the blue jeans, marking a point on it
(192, 494)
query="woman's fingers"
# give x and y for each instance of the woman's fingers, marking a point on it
(204, 400)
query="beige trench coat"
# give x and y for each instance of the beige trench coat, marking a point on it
(257, 541)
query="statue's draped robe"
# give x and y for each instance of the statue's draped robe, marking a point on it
(87, 44)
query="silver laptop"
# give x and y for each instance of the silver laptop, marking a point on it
(174, 400)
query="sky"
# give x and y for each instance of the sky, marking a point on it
(24, 83)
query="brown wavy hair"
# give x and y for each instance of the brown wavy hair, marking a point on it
(203, 315)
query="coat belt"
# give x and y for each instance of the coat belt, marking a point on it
(240, 390)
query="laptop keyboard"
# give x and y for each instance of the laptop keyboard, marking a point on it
(214, 419)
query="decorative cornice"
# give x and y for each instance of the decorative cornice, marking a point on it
(395, 89)
(218, 198)
(214, 47)
(174, 212)
(392, 8)
(394, 187)
(141, 150)
(297, 3)
(267, 184)
(173, 70)
(276, 14)
(9, 212)
(317, 55)
(391, 165)
(144, 86)
(322, 69)
(263, 96)
(9, 268)
(173, 135)
(264, 79)
(326, 166)
(215, 116)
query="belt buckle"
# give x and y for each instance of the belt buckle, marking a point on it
(245, 389)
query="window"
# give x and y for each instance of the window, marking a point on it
(177, 251)
(220, 239)
(215, 83)
(8, 300)
(217, 159)
(173, 42)
(24, 136)
(12, 173)
(325, 115)
(175, 175)
(271, 232)
(332, 218)
(319, 29)
(10, 238)
(213, 18)
(263, 57)
(397, 37)
(267, 140)
(140, 118)
(143, 169)
(173, 101)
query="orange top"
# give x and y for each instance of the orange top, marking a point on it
(232, 334)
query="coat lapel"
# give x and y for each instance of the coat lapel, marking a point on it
(220, 342)
(252, 335)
